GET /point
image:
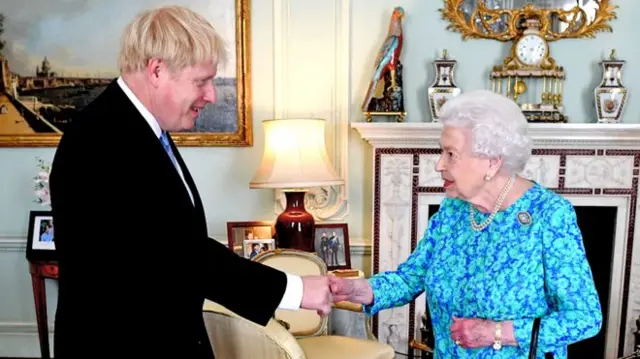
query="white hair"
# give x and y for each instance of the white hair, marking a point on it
(498, 127)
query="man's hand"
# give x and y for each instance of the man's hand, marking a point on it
(316, 294)
(351, 290)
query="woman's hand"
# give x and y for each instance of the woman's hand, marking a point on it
(351, 290)
(479, 333)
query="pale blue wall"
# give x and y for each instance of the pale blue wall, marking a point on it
(222, 174)
(425, 36)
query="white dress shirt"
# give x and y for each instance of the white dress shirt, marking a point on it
(292, 297)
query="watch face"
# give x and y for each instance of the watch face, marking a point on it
(531, 49)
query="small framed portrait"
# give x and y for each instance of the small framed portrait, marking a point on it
(253, 247)
(41, 245)
(238, 232)
(332, 245)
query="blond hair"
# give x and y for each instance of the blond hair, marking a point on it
(175, 34)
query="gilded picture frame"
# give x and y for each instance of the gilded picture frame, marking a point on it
(228, 123)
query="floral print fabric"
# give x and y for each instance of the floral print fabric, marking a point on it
(518, 268)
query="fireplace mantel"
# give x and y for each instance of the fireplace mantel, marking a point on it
(590, 164)
(565, 135)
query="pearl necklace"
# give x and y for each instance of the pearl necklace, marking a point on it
(478, 227)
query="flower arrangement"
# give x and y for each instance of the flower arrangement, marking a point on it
(41, 182)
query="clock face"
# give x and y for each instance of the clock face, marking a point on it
(531, 49)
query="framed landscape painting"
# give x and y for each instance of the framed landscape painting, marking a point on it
(56, 56)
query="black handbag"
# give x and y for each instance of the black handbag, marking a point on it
(534, 341)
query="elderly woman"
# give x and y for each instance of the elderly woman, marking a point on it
(500, 252)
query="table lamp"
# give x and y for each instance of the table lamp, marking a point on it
(295, 159)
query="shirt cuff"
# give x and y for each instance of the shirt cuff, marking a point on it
(292, 298)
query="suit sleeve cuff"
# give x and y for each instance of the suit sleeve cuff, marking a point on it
(292, 298)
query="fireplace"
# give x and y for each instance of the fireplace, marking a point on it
(595, 166)
(597, 225)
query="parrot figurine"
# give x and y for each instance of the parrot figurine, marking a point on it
(387, 60)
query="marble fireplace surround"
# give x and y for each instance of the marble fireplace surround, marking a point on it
(590, 164)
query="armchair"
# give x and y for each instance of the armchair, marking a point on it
(300, 334)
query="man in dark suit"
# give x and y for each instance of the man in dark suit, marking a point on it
(135, 260)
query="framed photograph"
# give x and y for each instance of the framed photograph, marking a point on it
(41, 245)
(239, 232)
(332, 245)
(253, 247)
(50, 71)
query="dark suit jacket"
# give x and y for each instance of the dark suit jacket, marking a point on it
(135, 261)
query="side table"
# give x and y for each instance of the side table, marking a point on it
(39, 272)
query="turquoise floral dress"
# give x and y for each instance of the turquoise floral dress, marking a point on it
(529, 262)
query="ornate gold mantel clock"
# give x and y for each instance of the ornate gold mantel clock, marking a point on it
(529, 74)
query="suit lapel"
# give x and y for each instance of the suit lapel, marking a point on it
(144, 133)
(142, 126)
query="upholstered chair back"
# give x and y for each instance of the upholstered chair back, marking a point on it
(302, 323)
(234, 337)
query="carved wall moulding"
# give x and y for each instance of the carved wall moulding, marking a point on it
(326, 204)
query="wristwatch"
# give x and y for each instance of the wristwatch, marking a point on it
(497, 341)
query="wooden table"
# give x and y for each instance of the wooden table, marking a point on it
(39, 272)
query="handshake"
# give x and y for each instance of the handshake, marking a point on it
(320, 292)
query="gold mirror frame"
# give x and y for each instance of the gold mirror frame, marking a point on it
(470, 29)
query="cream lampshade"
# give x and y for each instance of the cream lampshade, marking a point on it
(294, 160)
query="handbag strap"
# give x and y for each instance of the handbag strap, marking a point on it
(534, 341)
(534, 338)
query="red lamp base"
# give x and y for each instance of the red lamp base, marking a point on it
(295, 226)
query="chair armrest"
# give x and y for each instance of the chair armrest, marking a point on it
(229, 334)
(350, 306)
(414, 344)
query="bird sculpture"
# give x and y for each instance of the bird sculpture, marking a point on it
(387, 62)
